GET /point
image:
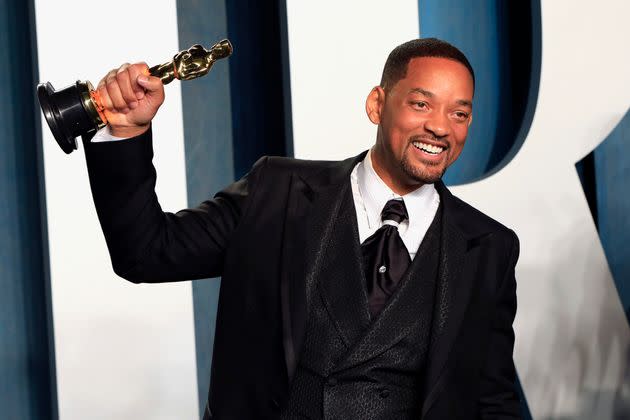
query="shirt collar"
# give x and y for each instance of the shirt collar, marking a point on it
(376, 193)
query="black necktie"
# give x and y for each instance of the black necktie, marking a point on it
(385, 257)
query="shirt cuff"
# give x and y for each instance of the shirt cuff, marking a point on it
(104, 135)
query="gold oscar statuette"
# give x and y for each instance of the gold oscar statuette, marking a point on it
(76, 110)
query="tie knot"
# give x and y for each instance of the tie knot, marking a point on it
(394, 211)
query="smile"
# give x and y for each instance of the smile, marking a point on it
(432, 150)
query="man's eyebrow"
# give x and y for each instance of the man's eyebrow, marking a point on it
(422, 92)
(428, 94)
(464, 102)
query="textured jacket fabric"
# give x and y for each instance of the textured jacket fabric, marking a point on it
(267, 236)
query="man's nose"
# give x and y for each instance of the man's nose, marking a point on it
(438, 124)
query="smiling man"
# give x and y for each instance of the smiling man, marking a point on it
(359, 289)
(423, 109)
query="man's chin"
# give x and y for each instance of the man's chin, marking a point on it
(428, 179)
(424, 175)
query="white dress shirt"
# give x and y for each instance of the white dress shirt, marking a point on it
(370, 194)
(104, 134)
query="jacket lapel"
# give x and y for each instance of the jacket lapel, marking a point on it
(315, 198)
(458, 264)
(292, 297)
(340, 277)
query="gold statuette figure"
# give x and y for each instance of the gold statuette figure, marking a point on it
(76, 110)
(194, 62)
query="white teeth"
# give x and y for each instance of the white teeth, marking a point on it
(428, 148)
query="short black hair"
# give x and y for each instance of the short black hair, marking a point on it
(398, 60)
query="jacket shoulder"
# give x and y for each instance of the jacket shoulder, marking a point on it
(475, 222)
(285, 166)
(302, 166)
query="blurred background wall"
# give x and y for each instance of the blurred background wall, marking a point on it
(546, 155)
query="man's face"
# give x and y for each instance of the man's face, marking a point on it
(423, 122)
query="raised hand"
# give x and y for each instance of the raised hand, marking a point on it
(130, 97)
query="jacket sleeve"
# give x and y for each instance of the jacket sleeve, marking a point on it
(146, 244)
(498, 396)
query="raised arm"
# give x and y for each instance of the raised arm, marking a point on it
(145, 243)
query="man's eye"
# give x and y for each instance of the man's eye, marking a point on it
(461, 116)
(419, 105)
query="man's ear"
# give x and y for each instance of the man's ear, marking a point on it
(374, 104)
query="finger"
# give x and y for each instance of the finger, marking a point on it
(136, 70)
(111, 84)
(124, 84)
(105, 100)
(152, 85)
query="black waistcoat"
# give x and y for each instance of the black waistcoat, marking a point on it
(352, 367)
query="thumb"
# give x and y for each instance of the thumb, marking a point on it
(153, 85)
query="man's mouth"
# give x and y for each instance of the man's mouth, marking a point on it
(428, 148)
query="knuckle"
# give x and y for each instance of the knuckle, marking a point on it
(111, 83)
(110, 78)
(122, 75)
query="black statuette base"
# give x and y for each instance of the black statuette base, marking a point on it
(65, 114)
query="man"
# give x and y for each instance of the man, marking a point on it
(359, 289)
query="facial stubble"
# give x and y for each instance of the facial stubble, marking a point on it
(417, 173)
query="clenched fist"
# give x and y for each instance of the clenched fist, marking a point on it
(130, 97)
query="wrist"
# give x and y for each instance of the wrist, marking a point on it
(128, 132)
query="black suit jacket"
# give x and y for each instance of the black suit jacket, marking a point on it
(265, 235)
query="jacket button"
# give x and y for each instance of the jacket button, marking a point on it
(384, 393)
(331, 382)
